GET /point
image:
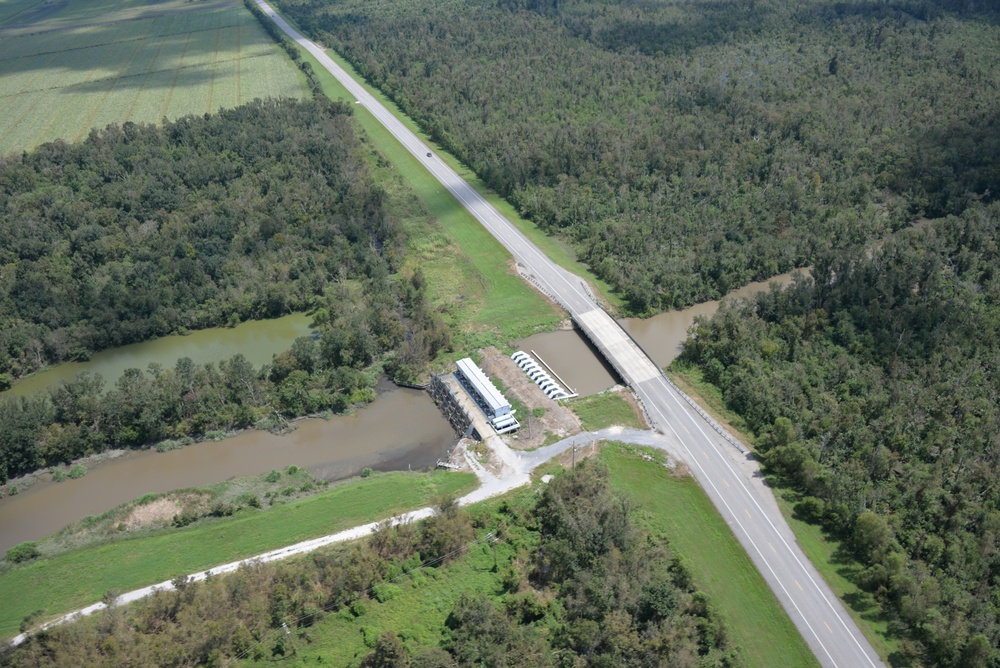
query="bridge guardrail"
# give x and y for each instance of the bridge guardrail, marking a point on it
(735, 442)
(708, 418)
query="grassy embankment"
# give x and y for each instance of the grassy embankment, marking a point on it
(466, 269)
(606, 409)
(824, 551)
(81, 577)
(673, 507)
(68, 67)
(477, 245)
(677, 507)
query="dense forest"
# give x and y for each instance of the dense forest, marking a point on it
(140, 231)
(580, 585)
(686, 148)
(875, 391)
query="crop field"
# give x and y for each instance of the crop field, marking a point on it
(68, 67)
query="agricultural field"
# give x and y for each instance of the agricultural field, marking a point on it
(68, 67)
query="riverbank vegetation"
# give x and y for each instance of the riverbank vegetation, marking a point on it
(66, 581)
(688, 148)
(139, 231)
(873, 393)
(573, 577)
(151, 513)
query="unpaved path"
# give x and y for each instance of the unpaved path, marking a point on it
(515, 469)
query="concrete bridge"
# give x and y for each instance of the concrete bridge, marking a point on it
(731, 480)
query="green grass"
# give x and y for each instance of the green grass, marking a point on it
(468, 272)
(68, 67)
(555, 248)
(417, 613)
(76, 579)
(677, 507)
(825, 554)
(690, 379)
(605, 410)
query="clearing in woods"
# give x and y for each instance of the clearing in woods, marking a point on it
(68, 67)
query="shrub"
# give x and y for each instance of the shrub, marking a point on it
(385, 592)
(358, 608)
(370, 634)
(292, 470)
(30, 619)
(288, 491)
(166, 446)
(273, 476)
(78, 471)
(185, 518)
(366, 472)
(221, 509)
(248, 499)
(22, 552)
(58, 475)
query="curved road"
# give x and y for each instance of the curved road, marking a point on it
(731, 480)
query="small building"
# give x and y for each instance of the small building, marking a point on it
(482, 390)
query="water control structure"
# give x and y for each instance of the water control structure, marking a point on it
(552, 387)
(496, 407)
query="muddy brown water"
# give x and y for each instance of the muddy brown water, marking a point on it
(400, 429)
(577, 362)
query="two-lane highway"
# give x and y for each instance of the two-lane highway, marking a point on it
(732, 484)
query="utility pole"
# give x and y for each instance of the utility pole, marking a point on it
(493, 540)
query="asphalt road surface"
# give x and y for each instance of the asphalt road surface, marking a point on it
(732, 481)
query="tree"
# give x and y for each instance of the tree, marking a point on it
(388, 653)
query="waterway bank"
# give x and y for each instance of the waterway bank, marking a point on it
(258, 340)
(661, 336)
(401, 429)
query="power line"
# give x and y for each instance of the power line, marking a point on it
(491, 536)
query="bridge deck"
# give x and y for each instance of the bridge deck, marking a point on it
(616, 346)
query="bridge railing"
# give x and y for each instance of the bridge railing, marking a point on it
(735, 442)
(708, 418)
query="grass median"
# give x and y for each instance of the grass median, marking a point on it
(75, 579)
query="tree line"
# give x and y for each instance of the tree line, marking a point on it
(874, 390)
(581, 586)
(141, 231)
(685, 149)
